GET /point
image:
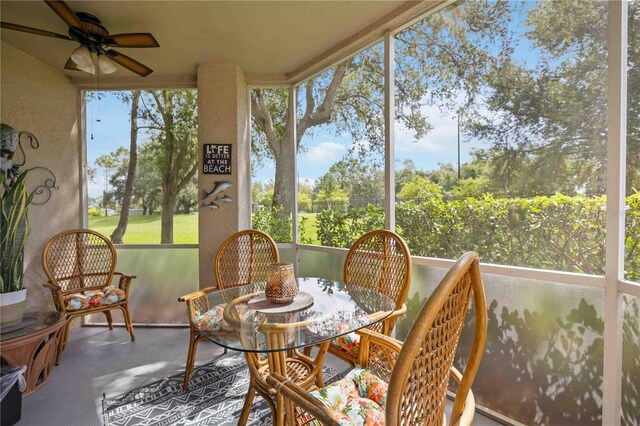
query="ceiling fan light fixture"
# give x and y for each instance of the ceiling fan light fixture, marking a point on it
(91, 69)
(106, 65)
(81, 56)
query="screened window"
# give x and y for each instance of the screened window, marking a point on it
(341, 151)
(501, 133)
(272, 158)
(142, 165)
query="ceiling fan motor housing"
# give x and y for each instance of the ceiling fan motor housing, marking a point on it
(94, 36)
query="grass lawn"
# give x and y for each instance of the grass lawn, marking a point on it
(146, 229)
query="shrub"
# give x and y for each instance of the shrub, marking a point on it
(556, 232)
(273, 221)
(95, 212)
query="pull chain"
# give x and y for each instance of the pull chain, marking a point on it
(91, 105)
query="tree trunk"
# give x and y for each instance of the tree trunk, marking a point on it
(144, 210)
(118, 233)
(168, 204)
(284, 184)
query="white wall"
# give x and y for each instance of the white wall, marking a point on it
(41, 100)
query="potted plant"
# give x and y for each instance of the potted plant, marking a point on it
(14, 230)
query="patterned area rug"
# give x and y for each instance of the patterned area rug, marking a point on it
(216, 393)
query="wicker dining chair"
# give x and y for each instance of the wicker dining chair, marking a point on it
(399, 383)
(378, 260)
(80, 265)
(242, 259)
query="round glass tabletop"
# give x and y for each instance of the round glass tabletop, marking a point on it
(241, 319)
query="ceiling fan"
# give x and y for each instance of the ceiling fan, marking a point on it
(94, 39)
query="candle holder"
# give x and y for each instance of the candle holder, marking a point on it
(281, 283)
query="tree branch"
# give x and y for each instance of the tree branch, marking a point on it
(263, 120)
(322, 114)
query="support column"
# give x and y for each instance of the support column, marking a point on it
(616, 169)
(223, 118)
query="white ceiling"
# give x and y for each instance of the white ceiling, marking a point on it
(268, 39)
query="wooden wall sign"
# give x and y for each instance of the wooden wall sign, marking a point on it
(216, 159)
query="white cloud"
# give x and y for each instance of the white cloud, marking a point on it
(324, 153)
(442, 138)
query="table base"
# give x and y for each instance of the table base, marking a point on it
(35, 350)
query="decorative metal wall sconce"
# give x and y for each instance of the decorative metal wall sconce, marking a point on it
(10, 163)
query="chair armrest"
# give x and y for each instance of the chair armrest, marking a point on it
(398, 312)
(51, 286)
(56, 293)
(389, 322)
(124, 282)
(466, 417)
(378, 352)
(372, 336)
(301, 398)
(196, 294)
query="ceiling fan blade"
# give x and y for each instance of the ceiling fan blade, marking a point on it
(16, 27)
(65, 13)
(133, 40)
(129, 63)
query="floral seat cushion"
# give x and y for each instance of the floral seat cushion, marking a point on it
(357, 399)
(94, 298)
(349, 343)
(213, 319)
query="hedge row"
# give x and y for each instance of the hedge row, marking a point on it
(557, 232)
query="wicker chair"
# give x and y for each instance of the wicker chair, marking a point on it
(378, 260)
(417, 371)
(80, 265)
(242, 259)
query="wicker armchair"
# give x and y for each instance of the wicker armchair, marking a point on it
(242, 259)
(417, 371)
(80, 265)
(378, 260)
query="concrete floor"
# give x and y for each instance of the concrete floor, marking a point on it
(99, 360)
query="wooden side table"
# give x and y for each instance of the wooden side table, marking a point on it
(33, 343)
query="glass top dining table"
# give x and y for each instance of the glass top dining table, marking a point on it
(240, 319)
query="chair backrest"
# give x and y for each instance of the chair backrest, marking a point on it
(78, 260)
(380, 260)
(243, 258)
(418, 384)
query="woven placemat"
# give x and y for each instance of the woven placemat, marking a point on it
(300, 301)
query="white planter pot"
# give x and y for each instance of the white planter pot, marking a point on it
(12, 307)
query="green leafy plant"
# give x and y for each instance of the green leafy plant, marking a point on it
(14, 230)
(555, 232)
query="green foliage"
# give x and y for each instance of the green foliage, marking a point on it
(328, 190)
(420, 187)
(558, 232)
(340, 228)
(95, 212)
(272, 221)
(304, 202)
(14, 230)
